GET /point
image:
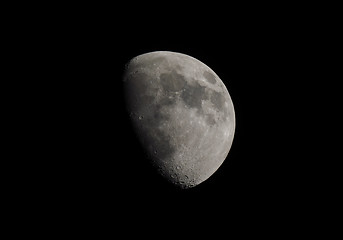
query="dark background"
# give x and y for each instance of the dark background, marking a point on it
(92, 168)
(255, 63)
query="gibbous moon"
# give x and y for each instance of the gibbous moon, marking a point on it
(182, 114)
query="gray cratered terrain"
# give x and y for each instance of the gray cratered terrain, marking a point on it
(182, 113)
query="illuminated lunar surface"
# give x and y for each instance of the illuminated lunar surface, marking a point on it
(182, 114)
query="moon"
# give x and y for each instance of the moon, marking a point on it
(182, 114)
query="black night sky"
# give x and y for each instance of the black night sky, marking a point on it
(98, 164)
(253, 62)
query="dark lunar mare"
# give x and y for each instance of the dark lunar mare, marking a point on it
(172, 82)
(192, 96)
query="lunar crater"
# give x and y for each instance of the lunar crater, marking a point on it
(210, 120)
(210, 77)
